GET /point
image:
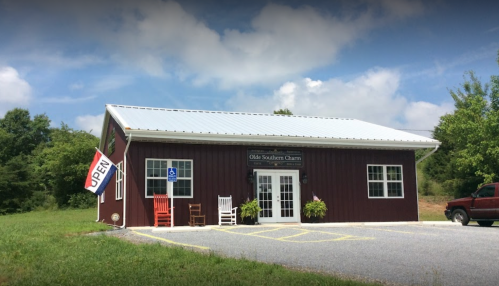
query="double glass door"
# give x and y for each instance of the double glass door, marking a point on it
(278, 193)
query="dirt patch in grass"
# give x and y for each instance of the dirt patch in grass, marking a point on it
(432, 207)
(426, 205)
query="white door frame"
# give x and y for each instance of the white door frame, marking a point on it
(272, 211)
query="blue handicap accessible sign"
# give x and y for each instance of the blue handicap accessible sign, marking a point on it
(172, 174)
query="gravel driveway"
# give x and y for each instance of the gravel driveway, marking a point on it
(411, 254)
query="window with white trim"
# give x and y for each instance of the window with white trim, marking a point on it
(157, 177)
(119, 181)
(385, 181)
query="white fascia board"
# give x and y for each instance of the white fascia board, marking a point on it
(121, 122)
(103, 133)
(280, 140)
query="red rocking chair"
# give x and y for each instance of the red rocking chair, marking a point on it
(162, 214)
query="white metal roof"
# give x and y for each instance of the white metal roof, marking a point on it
(197, 126)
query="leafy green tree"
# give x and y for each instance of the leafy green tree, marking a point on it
(284, 111)
(63, 166)
(15, 184)
(21, 135)
(39, 165)
(469, 155)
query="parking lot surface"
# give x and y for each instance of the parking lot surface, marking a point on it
(412, 254)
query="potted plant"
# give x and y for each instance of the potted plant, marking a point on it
(315, 210)
(249, 211)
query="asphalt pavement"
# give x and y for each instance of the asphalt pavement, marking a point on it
(408, 254)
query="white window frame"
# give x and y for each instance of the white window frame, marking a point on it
(119, 181)
(385, 181)
(102, 197)
(169, 165)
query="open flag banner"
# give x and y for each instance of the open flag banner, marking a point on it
(99, 174)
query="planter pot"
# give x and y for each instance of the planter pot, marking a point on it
(249, 221)
(314, 219)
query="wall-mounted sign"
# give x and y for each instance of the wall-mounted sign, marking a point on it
(274, 158)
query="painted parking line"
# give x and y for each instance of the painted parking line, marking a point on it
(301, 235)
(396, 231)
(171, 241)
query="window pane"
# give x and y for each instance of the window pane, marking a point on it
(157, 186)
(488, 191)
(182, 188)
(394, 189)
(375, 173)
(394, 173)
(375, 189)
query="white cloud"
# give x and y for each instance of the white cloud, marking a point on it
(111, 83)
(76, 86)
(91, 123)
(423, 115)
(56, 59)
(282, 42)
(443, 65)
(14, 91)
(164, 39)
(67, 99)
(372, 96)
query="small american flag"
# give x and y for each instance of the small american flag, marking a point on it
(315, 198)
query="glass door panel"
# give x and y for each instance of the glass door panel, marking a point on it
(278, 195)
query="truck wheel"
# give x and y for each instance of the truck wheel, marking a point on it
(460, 215)
(485, 223)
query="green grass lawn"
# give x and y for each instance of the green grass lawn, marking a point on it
(51, 248)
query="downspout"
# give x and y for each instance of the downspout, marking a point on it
(124, 180)
(416, 170)
(427, 155)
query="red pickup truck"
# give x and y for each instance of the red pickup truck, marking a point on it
(482, 207)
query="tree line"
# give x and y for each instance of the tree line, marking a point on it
(42, 167)
(469, 154)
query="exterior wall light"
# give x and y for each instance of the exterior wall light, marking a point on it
(304, 178)
(250, 177)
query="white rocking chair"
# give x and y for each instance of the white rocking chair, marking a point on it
(226, 213)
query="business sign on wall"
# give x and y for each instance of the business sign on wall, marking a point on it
(274, 158)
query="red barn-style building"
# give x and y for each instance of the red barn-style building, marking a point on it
(362, 171)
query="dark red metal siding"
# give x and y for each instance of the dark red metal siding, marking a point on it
(217, 170)
(111, 205)
(337, 176)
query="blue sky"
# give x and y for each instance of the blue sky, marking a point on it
(388, 62)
